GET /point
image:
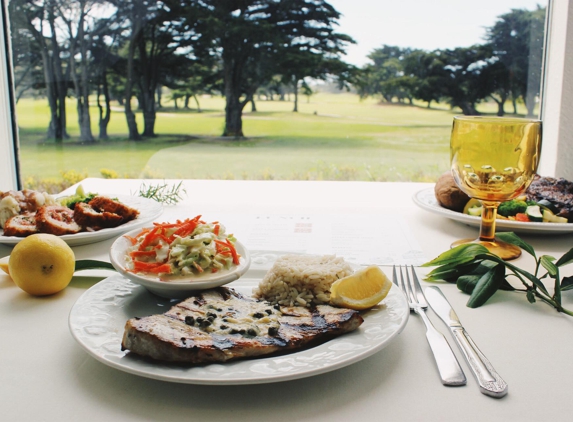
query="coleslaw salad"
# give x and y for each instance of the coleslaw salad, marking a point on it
(183, 248)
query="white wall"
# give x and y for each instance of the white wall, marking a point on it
(557, 111)
(7, 154)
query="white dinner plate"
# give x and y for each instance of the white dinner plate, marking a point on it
(98, 318)
(148, 209)
(426, 199)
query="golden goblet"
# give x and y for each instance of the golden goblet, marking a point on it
(493, 160)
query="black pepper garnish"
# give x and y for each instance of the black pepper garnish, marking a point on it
(273, 331)
(277, 307)
(269, 311)
(189, 320)
(251, 332)
(258, 315)
(223, 327)
(233, 331)
(205, 323)
(211, 315)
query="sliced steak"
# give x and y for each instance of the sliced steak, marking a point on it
(220, 325)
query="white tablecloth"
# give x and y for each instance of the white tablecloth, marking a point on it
(46, 376)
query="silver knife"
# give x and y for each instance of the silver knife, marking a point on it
(490, 383)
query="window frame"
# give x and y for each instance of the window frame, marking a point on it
(556, 107)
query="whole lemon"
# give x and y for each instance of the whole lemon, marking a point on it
(42, 264)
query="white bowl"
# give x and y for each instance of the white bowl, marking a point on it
(179, 288)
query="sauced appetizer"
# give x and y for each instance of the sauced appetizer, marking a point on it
(26, 212)
(183, 248)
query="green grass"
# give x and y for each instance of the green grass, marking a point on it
(332, 137)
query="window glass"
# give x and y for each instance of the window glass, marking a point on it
(365, 90)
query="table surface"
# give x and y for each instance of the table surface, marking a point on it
(45, 375)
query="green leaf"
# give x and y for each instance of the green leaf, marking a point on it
(567, 283)
(514, 239)
(461, 254)
(467, 283)
(486, 286)
(567, 258)
(91, 264)
(450, 272)
(530, 296)
(547, 263)
(530, 277)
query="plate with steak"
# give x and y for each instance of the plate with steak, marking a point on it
(426, 200)
(104, 217)
(224, 336)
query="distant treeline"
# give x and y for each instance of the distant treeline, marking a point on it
(120, 50)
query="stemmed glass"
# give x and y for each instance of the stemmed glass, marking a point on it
(493, 160)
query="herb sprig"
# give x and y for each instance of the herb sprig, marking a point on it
(480, 273)
(162, 192)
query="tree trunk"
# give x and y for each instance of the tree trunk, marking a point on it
(186, 101)
(129, 115)
(197, 102)
(159, 96)
(148, 83)
(233, 117)
(104, 115)
(149, 115)
(467, 108)
(295, 87)
(500, 104)
(81, 83)
(514, 103)
(253, 106)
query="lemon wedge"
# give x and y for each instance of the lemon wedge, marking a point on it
(361, 290)
(4, 264)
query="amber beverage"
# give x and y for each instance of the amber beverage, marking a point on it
(494, 159)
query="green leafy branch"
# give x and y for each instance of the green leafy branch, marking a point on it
(162, 192)
(480, 273)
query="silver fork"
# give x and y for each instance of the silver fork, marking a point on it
(448, 366)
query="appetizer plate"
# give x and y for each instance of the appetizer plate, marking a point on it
(426, 199)
(180, 287)
(148, 209)
(97, 321)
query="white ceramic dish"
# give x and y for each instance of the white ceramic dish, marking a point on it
(426, 199)
(148, 209)
(180, 288)
(97, 320)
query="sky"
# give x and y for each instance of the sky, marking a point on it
(424, 24)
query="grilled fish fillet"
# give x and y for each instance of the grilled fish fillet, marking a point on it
(220, 325)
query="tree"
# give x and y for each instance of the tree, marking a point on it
(155, 43)
(252, 35)
(40, 20)
(517, 39)
(385, 75)
(459, 80)
(75, 17)
(424, 70)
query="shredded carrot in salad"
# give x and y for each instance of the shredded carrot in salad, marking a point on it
(186, 247)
